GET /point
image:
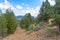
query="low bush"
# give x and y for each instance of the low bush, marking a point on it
(26, 21)
(33, 27)
(51, 32)
(37, 27)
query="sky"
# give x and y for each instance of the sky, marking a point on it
(22, 7)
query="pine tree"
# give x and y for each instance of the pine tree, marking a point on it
(47, 11)
(3, 25)
(40, 16)
(26, 21)
(44, 12)
(11, 20)
(57, 14)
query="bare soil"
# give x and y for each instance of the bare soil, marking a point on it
(21, 34)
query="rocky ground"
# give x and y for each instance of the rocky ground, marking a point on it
(21, 34)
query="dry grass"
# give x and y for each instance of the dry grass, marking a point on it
(20, 34)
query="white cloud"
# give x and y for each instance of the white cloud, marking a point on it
(6, 5)
(19, 10)
(44, 0)
(24, 4)
(1, 6)
(19, 7)
(33, 11)
(12, 7)
(28, 9)
(52, 2)
(6, 1)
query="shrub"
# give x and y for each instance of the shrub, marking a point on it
(11, 21)
(33, 27)
(36, 27)
(3, 26)
(26, 21)
(51, 32)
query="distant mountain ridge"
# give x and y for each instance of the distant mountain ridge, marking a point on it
(19, 17)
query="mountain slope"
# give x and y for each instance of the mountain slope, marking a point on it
(20, 34)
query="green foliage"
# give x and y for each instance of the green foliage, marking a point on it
(11, 21)
(36, 27)
(45, 14)
(26, 21)
(51, 32)
(3, 26)
(56, 20)
(32, 27)
(8, 23)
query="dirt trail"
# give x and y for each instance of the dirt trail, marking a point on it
(20, 34)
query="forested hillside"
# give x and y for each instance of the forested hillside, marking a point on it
(46, 26)
(8, 23)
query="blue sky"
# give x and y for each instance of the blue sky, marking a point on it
(21, 7)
